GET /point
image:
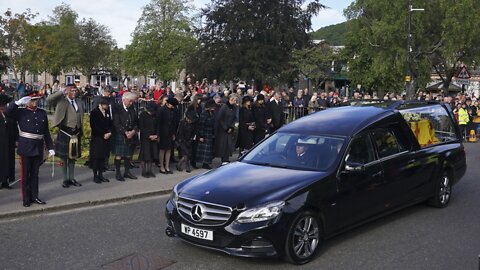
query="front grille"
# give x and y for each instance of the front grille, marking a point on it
(212, 214)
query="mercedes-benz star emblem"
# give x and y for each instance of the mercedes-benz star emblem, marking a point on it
(197, 212)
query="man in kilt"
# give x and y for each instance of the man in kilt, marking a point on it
(125, 123)
(68, 118)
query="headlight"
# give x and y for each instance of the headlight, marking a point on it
(263, 213)
(174, 196)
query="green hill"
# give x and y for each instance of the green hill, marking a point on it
(333, 34)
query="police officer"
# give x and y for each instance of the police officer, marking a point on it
(33, 135)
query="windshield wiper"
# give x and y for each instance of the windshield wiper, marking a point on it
(284, 166)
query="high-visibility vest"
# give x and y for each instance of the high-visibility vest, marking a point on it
(463, 117)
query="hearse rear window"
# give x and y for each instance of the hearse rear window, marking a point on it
(430, 124)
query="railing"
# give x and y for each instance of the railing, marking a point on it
(290, 113)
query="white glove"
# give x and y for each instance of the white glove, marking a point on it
(51, 153)
(23, 101)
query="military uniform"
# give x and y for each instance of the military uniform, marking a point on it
(33, 137)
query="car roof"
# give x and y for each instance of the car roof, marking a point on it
(341, 121)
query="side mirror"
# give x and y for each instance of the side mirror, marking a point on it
(353, 167)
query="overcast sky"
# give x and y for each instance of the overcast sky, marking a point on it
(121, 15)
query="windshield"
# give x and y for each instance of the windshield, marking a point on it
(296, 151)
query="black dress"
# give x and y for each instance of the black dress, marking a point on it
(148, 127)
(100, 124)
(224, 141)
(245, 136)
(261, 127)
(184, 138)
(166, 128)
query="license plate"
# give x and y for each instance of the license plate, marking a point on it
(197, 233)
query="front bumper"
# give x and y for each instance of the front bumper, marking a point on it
(261, 239)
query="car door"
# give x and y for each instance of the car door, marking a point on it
(359, 181)
(405, 171)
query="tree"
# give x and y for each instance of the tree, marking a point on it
(162, 40)
(253, 39)
(13, 33)
(115, 62)
(445, 35)
(95, 46)
(66, 40)
(314, 62)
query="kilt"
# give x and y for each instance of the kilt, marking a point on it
(120, 147)
(205, 151)
(62, 145)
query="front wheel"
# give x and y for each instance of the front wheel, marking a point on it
(443, 191)
(304, 238)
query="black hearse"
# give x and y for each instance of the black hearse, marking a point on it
(321, 175)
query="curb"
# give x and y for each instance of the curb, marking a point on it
(79, 205)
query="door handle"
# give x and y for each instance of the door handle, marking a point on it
(411, 162)
(377, 174)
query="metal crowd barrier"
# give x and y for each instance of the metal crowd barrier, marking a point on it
(291, 113)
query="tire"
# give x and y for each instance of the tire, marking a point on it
(305, 228)
(443, 191)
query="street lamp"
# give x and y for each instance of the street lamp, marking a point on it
(408, 79)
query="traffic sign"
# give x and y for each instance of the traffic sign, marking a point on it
(463, 81)
(463, 73)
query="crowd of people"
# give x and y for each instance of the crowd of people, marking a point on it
(199, 122)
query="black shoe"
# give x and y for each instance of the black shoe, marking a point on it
(194, 165)
(206, 166)
(26, 204)
(133, 165)
(188, 170)
(179, 168)
(97, 180)
(119, 177)
(168, 172)
(5, 186)
(164, 172)
(145, 175)
(66, 184)
(38, 201)
(151, 174)
(130, 176)
(75, 183)
(103, 179)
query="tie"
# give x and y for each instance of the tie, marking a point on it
(73, 105)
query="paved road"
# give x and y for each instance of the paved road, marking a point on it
(419, 237)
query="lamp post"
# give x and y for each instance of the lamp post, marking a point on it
(409, 77)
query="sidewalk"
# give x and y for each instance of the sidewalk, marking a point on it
(90, 193)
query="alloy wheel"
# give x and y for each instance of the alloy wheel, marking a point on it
(305, 237)
(445, 190)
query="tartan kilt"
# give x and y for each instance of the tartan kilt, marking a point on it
(120, 148)
(62, 144)
(205, 151)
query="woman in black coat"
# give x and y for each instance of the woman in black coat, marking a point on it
(184, 139)
(225, 127)
(166, 133)
(246, 125)
(148, 126)
(102, 126)
(206, 132)
(261, 121)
